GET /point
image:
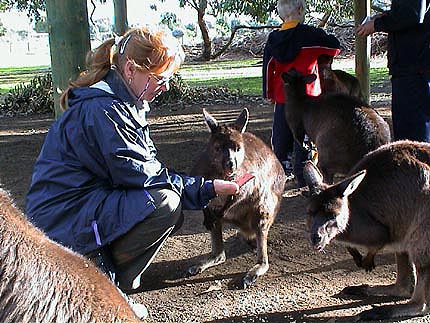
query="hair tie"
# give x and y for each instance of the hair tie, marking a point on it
(114, 48)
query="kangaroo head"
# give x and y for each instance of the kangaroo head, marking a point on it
(328, 207)
(226, 147)
(295, 82)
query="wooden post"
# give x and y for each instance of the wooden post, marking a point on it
(69, 42)
(362, 48)
(120, 16)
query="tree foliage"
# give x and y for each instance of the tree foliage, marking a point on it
(32, 7)
(260, 11)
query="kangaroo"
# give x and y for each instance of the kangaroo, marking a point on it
(230, 153)
(337, 81)
(383, 203)
(342, 127)
(41, 281)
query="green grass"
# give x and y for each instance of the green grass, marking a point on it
(11, 76)
(249, 85)
(242, 75)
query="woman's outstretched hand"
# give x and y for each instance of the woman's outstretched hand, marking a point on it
(223, 187)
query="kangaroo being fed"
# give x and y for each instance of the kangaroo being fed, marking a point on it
(342, 127)
(230, 153)
(383, 203)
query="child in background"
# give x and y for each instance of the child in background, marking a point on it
(294, 45)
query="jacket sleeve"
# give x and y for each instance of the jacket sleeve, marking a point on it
(403, 14)
(129, 158)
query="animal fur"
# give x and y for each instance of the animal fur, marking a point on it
(383, 203)
(342, 127)
(230, 153)
(43, 282)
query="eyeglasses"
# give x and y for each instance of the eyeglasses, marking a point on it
(159, 80)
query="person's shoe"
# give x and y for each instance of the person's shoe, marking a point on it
(288, 167)
(139, 309)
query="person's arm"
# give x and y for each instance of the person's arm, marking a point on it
(403, 14)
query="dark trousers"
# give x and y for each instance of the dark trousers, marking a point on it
(132, 253)
(283, 143)
(411, 107)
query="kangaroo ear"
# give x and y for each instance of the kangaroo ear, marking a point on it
(350, 184)
(211, 122)
(285, 77)
(312, 177)
(242, 120)
(309, 78)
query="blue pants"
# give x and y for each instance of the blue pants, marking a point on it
(411, 107)
(283, 143)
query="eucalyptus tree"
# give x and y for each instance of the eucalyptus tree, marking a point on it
(258, 10)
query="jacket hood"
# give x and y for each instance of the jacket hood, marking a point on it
(111, 86)
(284, 45)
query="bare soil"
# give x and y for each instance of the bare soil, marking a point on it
(301, 285)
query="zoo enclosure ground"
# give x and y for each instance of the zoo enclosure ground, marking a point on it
(301, 284)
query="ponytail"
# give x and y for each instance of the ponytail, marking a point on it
(98, 63)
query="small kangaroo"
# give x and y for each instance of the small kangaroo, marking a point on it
(383, 203)
(230, 153)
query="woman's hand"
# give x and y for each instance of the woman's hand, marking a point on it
(223, 187)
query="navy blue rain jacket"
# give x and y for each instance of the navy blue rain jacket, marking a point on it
(90, 179)
(408, 28)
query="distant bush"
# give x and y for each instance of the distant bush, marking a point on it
(36, 97)
(181, 93)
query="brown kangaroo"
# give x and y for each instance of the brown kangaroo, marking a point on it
(342, 127)
(337, 81)
(230, 153)
(383, 203)
(41, 281)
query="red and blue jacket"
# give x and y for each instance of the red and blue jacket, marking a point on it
(298, 46)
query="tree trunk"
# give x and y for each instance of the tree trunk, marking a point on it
(120, 17)
(69, 42)
(362, 48)
(207, 44)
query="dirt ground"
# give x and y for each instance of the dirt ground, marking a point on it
(301, 285)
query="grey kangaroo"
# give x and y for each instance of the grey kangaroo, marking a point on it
(230, 153)
(383, 203)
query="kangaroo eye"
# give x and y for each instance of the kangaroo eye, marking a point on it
(217, 148)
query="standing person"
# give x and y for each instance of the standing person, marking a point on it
(97, 186)
(408, 26)
(294, 45)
